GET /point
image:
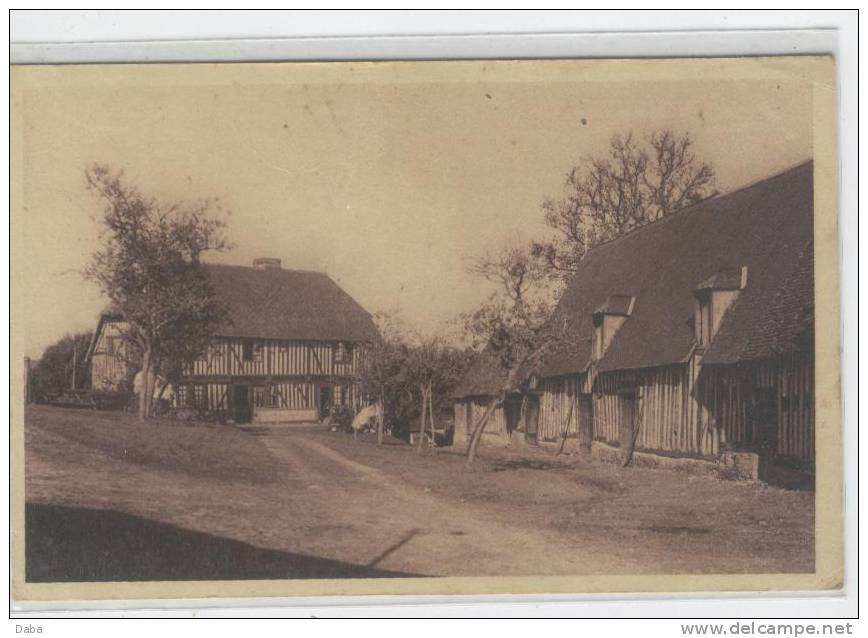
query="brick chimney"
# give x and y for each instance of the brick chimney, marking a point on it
(266, 263)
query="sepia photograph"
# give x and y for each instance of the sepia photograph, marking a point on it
(452, 327)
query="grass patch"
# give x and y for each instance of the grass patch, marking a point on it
(198, 449)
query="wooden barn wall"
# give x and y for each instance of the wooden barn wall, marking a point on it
(557, 395)
(460, 421)
(728, 393)
(468, 411)
(796, 427)
(659, 400)
(276, 358)
(679, 410)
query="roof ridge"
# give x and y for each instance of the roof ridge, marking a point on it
(689, 207)
(306, 271)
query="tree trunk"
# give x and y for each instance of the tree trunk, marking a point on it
(423, 390)
(480, 428)
(381, 417)
(627, 453)
(431, 415)
(147, 388)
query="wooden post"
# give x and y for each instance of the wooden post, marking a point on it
(28, 395)
(422, 389)
(74, 357)
(633, 433)
(381, 417)
(566, 429)
(431, 414)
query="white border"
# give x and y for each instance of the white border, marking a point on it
(107, 36)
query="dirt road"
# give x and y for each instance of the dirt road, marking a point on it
(110, 499)
(397, 525)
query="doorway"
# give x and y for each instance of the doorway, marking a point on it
(531, 418)
(326, 400)
(512, 411)
(765, 421)
(242, 411)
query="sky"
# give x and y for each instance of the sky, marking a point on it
(390, 177)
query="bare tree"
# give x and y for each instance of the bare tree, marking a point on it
(148, 266)
(521, 337)
(635, 183)
(512, 268)
(512, 324)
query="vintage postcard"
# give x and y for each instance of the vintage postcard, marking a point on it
(470, 327)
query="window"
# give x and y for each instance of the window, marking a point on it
(343, 352)
(703, 320)
(597, 345)
(252, 350)
(267, 397)
(193, 396)
(275, 398)
(110, 345)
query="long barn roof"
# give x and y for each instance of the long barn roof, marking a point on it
(767, 226)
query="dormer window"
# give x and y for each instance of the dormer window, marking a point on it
(608, 318)
(714, 296)
(702, 320)
(597, 343)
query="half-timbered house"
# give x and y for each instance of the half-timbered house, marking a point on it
(692, 335)
(289, 349)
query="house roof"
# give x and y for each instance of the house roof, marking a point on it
(766, 226)
(274, 303)
(486, 375)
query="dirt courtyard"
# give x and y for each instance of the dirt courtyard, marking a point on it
(109, 498)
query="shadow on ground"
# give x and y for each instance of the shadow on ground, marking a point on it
(66, 544)
(781, 474)
(505, 465)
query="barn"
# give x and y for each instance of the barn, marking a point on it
(690, 336)
(289, 350)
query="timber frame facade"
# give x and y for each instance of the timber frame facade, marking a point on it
(291, 348)
(706, 351)
(243, 379)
